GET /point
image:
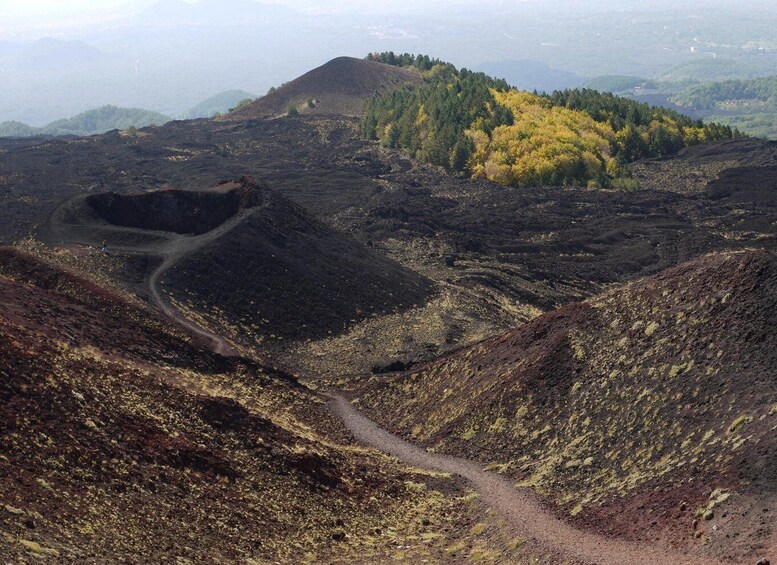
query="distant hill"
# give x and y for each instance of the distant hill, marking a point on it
(217, 104)
(341, 86)
(99, 120)
(715, 90)
(754, 94)
(49, 52)
(637, 411)
(750, 105)
(709, 69)
(761, 124)
(18, 129)
(617, 84)
(532, 75)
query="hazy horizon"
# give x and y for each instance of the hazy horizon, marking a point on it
(61, 58)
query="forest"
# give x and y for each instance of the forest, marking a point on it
(711, 95)
(99, 120)
(478, 126)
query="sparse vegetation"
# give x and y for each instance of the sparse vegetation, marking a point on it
(625, 183)
(739, 423)
(137, 406)
(242, 104)
(592, 431)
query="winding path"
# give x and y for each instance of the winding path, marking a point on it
(517, 506)
(520, 508)
(174, 251)
(170, 247)
(220, 345)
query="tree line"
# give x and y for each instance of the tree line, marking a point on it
(714, 94)
(478, 126)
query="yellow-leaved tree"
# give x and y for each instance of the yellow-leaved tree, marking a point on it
(545, 145)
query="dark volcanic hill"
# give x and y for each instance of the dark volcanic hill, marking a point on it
(340, 87)
(649, 411)
(243, 257)
(122, 439)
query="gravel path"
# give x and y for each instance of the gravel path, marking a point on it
(178, 248)
(518, 506)
(168, 246)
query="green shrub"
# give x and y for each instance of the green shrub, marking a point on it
(627, 184)
(739, 423)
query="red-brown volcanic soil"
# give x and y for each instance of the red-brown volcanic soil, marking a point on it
(647, 413)
(522, 509)
(124, 439)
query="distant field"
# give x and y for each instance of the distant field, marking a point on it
(756, 125)
(724, 92)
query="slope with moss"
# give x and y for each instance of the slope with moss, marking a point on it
(122, 439)
(649, 411)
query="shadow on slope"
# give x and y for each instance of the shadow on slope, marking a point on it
(283, 274)
(179, 211)
(124, 440)
(649, 411)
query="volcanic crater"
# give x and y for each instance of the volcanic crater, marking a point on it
(179, 211)
(241, 252)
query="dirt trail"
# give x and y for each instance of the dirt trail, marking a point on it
(220, 345)
(168, 246)
(175, 250)
(518, 506)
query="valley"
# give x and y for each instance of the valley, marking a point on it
(193, 313)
